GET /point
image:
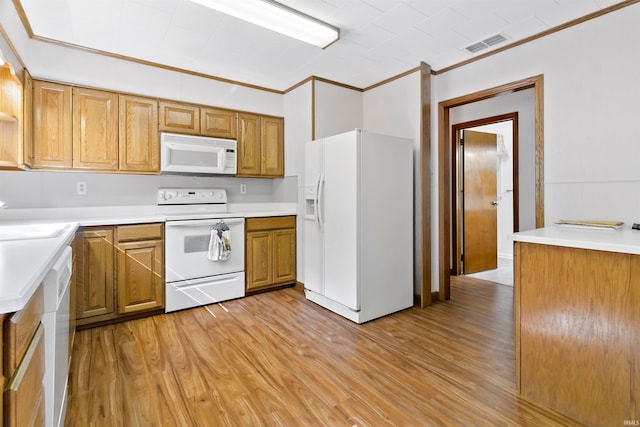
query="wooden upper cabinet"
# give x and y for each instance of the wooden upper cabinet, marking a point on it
(272, 146)
(139, 141)
(180, 118)
(218, 123)
(95, 129)
(52, 133)
(11, 100)
(248, 154)
(260, 146)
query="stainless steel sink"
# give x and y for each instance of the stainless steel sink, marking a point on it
(31, 231)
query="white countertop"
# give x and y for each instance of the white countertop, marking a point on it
(624, 240)
(25, 263)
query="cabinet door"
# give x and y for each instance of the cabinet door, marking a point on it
(259, 259)
(94, 280)
(139, 141)
(52, 143)
(95, 129)
(284, 256)
(272, 146)
(248, 145)
(140, 281)
(218, 123)
(180, 118)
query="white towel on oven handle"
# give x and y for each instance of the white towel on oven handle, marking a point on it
(219, 245)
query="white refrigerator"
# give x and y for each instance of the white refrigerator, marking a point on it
(358, 231)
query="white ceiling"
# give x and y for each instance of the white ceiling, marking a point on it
(379, 38)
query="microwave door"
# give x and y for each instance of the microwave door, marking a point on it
(194, 158)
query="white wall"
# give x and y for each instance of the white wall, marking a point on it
(337, 109)
(591, 126)
(394, 109)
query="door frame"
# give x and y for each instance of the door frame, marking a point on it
(444, 167)
(456, 179)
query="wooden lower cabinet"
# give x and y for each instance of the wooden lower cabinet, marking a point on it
(140, 266)
(120, 272)
(270, 252)
(23, 364)
(577, 333)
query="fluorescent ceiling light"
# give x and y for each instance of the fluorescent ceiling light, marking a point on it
(277, 17)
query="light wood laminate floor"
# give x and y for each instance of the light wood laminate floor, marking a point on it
(275, 359)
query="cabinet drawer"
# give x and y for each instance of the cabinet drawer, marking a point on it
(23, 397)
(18, 330)
(270, 223)
(129, 233)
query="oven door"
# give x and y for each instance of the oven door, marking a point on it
(187, 244)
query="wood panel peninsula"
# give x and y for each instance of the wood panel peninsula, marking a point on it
(577, 322)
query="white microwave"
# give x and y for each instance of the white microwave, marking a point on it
(197, 154)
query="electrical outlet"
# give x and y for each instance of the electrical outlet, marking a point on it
(81, 188)
(243, 188)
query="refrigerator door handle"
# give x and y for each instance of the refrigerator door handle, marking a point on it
(320, 200)
(315, 200)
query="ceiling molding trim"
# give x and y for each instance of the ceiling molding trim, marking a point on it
(556, 29)
(23, 17)
(11, 46)
(333, 82)
(297, 85)
(396, 77)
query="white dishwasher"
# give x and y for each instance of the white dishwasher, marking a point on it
(56, 338)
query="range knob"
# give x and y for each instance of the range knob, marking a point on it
(168, 195)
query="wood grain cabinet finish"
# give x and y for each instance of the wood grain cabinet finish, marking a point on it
(179, 118)
(11, 119)
(577, 331)
(272, 146)
(95, 284)
(95, 129)
(27, 118)
(139, 146)
(270, 252)
(218, 123)
(260, 146)
(140, 267)
(52, 131)
(24, 394)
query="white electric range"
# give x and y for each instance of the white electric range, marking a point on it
(194, 275)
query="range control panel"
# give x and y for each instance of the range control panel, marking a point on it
(190, 196)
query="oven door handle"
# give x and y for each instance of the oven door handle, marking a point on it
(208, 282)
(203, 222)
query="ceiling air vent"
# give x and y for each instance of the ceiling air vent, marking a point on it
(489, 41)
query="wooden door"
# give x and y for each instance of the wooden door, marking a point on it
(139, 140)
(249, 162)
(52, 133)
(95, 129)
(272, 146)
(95, 284)
(218, 123)
(480, 217)
(259, 259)
(140, 281)
(284, 256)
(180, 118)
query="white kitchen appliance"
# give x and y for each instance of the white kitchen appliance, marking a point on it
(57, 334)
(197, 154)
(192, 278)
(358, 259)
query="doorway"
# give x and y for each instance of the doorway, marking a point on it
(445, 155)
(486, 200)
